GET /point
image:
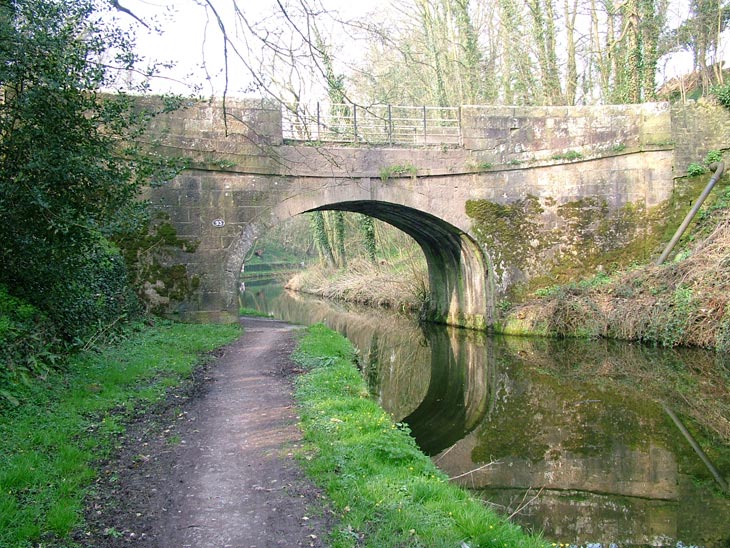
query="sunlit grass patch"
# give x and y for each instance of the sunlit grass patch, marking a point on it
(50, 442)
(387, 492)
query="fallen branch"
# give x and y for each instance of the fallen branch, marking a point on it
(524, 504)
(475, 470)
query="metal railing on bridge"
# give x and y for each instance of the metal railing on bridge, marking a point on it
(380, 124)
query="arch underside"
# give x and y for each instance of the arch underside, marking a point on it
(457, 268)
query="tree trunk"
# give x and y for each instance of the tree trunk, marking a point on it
(472, 55)
(321, 239)
(571, 82)
(367, 227)
(434, 50)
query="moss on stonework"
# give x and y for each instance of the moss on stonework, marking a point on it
(643, 232)
(599, 239)
(158, 276)
(593, 238)
(166, 234)
(512, 233)
(583, 218)
(163, 286)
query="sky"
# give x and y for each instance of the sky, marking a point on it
(191, 39)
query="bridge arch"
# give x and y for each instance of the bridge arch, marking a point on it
(458, 269)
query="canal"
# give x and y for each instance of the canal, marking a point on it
(576, 439)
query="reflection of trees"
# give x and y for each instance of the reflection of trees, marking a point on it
(371, 366)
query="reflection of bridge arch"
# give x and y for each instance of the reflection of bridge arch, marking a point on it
(457, 266)
(461, 388)
(439, 380)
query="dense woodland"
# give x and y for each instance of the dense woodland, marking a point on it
(70, 175)
(535, 52)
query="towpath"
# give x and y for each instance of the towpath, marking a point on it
(215, 467)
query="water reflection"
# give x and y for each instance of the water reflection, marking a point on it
(427, 378)
(556, 433)
(459, 392)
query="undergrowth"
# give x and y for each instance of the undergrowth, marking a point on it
(386, 491)
(30, 346)
(68, 421)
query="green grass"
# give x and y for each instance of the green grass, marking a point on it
(386, 172)
(50, 444)
(252, 312)
(386, 491)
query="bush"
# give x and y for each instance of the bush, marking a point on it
(67, 306)
(66, 185)
(722, 93)
(29, 345)
(93, 296)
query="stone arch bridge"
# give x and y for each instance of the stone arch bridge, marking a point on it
(523, 190)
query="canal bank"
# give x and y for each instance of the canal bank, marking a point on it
(219, 462)
(386, 492)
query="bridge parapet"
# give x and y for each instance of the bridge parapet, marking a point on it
(243, 136)
(504, 135)
(249, 138)
(374, 125)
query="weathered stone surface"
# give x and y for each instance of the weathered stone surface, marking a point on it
(697, 128)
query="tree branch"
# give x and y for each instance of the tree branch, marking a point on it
(115, 4)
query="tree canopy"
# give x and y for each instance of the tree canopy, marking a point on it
(454, 52)
(69, 177)
(534, 52)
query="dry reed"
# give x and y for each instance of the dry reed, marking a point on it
(364, 282)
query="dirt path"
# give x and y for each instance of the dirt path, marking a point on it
(215, 468)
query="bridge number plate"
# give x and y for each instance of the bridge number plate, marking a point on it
(218, 223)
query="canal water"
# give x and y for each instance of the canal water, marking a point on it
(559, 435)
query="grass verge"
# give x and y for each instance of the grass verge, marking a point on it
(50, 444)
(386, 491)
